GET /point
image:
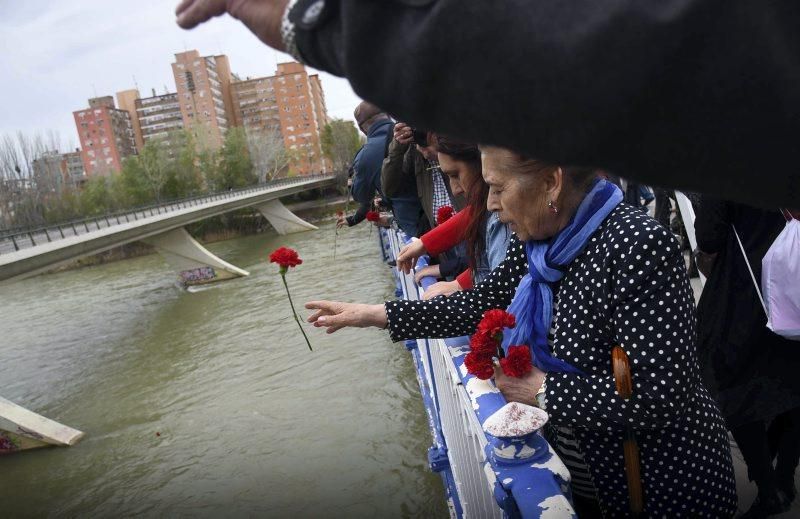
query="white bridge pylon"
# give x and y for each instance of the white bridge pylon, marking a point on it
(283, 220)
(196, 265)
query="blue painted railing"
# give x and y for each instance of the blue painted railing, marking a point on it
(484, 476)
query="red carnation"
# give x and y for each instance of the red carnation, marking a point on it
(373, 216)
(482, 343)
(286, 257)
(494, 321)
(443, 214)
(479, 364)
(517, 362)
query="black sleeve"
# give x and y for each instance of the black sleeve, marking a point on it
(712, 225)
(451, 265)
(358, 217)
(690, 94)
(458, 314)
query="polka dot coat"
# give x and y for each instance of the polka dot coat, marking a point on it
(628, 287)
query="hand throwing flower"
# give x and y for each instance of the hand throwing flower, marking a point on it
(443, 214)
(287, 258)
(485, 348)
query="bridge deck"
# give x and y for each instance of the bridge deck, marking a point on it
(30, 252)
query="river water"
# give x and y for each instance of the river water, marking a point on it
(208, 403)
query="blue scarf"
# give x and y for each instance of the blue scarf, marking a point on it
(547, 260)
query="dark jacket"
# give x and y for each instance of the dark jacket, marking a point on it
(690, 94)
(628, 287)
(367, 169)
(405, 171)
(752, 371)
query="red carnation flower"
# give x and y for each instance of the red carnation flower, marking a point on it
(373, 216)
(479, 364)
(443, 214)
(482, 343)
(494, 321)
(285, 257)
(517, 362)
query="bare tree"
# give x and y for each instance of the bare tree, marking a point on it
(267, 153)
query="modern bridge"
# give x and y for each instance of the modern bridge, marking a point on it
(24, 253)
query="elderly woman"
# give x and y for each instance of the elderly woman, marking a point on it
(597, 273)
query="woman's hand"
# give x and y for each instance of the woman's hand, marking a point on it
(384, 221)
(402, 133)
(341, 221)
(262, 17)
(334, 315)
(430, 270)
(442, 288)
(522, 389)
(409, 254)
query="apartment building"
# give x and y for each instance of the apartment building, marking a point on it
(106, 136)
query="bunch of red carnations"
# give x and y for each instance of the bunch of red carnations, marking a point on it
(485, 347)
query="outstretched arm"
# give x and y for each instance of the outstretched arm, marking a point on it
(662, 91)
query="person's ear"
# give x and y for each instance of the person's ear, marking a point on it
(554, 184)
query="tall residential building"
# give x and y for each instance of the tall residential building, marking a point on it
(74, 164)
(160, 117)
(204, 95)
(48, 171)
(291, 102)
(126, 100)
(106, 136)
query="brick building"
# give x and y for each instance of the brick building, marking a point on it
(126, 100)
(159, 117)
(291, 102)
(204, 95)
(106, 136)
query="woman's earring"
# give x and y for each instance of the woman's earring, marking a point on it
(552, 206)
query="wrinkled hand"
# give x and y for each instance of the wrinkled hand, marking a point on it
(402, 133)
(407, 259)
(262, 17)
(334, 315)
(430, 270)
(522, 389)
(384, 221)
(442, 288)
(341, 221)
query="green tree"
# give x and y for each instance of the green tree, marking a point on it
(184, 176)
(340, 143)
(96, 197)
(235, 167)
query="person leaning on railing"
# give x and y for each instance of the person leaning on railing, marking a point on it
(608, 275)
(485, 236)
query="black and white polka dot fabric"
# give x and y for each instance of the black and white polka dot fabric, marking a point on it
(628, 287)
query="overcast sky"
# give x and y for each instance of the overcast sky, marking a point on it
(56, 54)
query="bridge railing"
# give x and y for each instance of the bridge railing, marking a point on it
(12, 240)
(484, 476)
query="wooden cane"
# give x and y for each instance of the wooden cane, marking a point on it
(624, 382)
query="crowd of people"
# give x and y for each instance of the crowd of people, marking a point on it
(562, 247)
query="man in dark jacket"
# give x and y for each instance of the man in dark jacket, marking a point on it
(666, 92)
(377, 126)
